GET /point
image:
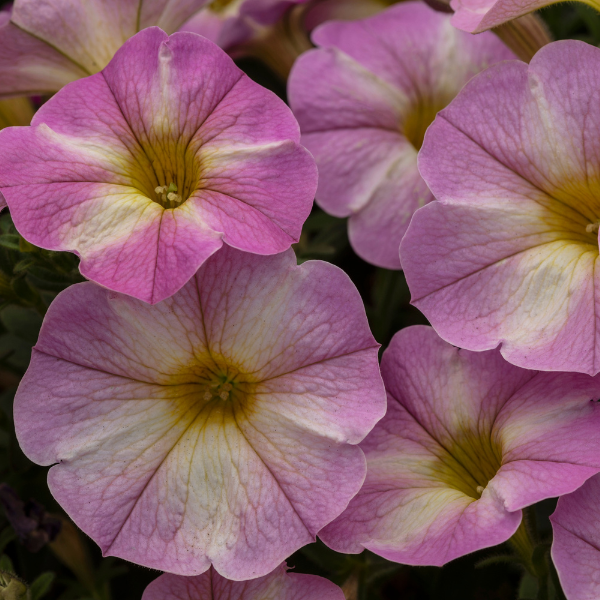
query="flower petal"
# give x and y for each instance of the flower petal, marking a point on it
(278, 585)
(476, 16)
(575, 549)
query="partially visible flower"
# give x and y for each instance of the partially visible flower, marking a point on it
(46, 44)
(278, 585)
(273, 31)
(476, 16)
(468, 441)
(14, 112)
(576, 543)
(33, 525)
(509, 253)
(146, 169)
(217, 427)
(363, 110)
(12, 588)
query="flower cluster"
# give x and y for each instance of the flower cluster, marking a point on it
(210, 402)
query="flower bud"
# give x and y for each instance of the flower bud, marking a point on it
(12, 588)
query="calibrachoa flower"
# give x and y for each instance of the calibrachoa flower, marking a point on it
(49, 43)
(146, 169)
(217, 427)
(363, 110)
(576, 545)
(508, 254)
(278, 585)
(468, 441)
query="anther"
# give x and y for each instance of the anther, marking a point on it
(592, 227)
(174, 199)
(207, 395)
(227, 387)
(480, 489)
(223, 395)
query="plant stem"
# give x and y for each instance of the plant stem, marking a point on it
(522, 543)
(533, 556)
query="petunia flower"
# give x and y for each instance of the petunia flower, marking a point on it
(468, 441)
(508, 254)
(145, 169)
(576, 541)
(363, 109)
(278, 585)
(45, 44)
(217, 427)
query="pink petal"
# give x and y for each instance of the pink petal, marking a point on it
(576, 545)
(278, 585)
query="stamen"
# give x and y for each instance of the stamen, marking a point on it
(168, 196)
(224, 395)
(592, 227)
(207, 396)
(480, 489)
(174, 199)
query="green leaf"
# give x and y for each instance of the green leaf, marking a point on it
(22, 322)
(6, 564)
(10, 241)
(528, 588)
(6, 537)
(23, 265)
(25, 246)
(41, 586)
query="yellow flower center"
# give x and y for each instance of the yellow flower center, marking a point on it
(165, 170)
(419, 118)
(468, 463)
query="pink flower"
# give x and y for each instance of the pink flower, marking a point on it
(217, 427)
(278, 585)
(508, 254)
(363, 109)
(145, 169)
(576, 544)
(468, 441)
(46, 44)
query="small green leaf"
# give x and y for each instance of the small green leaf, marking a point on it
(6, 537)
(23, 265)
(25, 246)
(10, 241)
(41, 586)
(6, 564)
